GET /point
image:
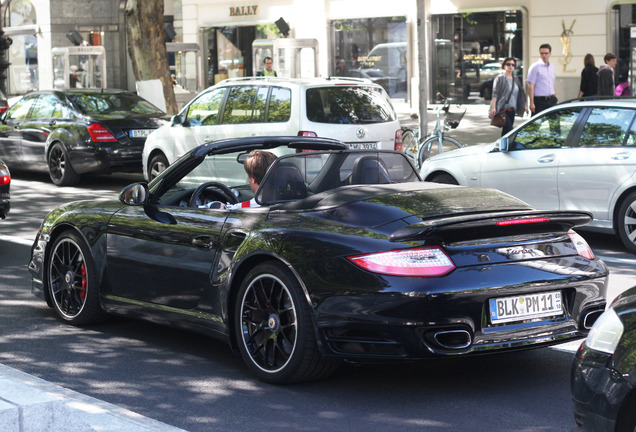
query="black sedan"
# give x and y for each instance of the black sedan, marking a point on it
(604, 370)
(5, 186)
(72, 132)
(349, 256)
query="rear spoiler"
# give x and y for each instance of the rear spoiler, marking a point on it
(497, 224)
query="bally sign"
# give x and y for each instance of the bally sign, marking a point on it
(243, 10)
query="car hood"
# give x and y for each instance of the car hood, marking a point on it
(462, 152)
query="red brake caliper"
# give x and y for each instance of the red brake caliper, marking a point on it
(84, 283)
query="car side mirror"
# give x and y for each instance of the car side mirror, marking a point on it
(135, 194)
(503, 144)
(176, 120)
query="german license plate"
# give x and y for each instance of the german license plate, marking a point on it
(527, 306)
(362, 146)
(139, 133)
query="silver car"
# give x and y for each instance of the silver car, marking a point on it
(574, 156)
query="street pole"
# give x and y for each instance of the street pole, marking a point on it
(5, 43)
(422, 64)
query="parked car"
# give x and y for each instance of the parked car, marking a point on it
(72, 132)
(5, 186)
(348, 257)
(603, 379)
(353, 111)
(574, 156)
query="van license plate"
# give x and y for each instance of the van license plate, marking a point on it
(362, 146)
(523, 307)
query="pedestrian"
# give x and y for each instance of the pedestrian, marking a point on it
(268, 71)
(589, 79)
(606, 86)
(508, 95)
(542, 81)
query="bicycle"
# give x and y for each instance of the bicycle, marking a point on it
(420, 150)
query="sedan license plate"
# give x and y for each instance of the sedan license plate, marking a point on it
(523, 307)
(139, 133)
(362, 146)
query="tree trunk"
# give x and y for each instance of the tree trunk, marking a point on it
(146, 46)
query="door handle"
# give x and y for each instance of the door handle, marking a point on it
(203, 242)
(621, 156)
(52, 123)
(546, 159)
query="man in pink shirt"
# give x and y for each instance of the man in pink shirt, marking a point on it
(542, 81)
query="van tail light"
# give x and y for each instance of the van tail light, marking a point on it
(100, 134)
(398, 140)
(417, 262)
(307, 134)
(5, 177)
(582, 248)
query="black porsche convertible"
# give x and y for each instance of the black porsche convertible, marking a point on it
(349, 256)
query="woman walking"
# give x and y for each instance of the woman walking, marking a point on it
(508, 95)
(589, 80)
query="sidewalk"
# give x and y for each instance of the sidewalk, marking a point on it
(29, 404)
(473, 129)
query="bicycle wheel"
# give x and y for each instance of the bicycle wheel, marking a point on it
(409, 145)
(432, 147)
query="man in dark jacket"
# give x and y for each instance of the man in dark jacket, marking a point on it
(606, 86)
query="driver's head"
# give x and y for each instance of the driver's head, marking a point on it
(256, 166)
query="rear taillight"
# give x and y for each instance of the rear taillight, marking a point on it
(423, 262)
(100, 134)
(307, 134)
(398, 140)
(5, 177)
(521, 221)
(582, 248)
(3, 107)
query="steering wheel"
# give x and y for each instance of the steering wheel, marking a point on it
(226, 191)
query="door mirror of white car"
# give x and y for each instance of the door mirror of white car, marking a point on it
(176, 120)
(503, 144)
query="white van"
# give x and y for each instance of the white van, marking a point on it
(354, 111)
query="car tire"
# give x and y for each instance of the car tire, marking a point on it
(60, 169)
(71, 278)
(444, 178)
(157, 165)
(274, 327)
(626, 223)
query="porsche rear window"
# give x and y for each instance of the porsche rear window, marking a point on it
(348, 105)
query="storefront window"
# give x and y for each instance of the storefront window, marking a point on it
(624, 41)
(372, 48)
(468, 51)
(23, 53)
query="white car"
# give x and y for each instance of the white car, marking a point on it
(354, 111)
(574, 156)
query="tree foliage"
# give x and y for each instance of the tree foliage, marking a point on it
(146, 45)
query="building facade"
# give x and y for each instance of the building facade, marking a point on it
(466, 39)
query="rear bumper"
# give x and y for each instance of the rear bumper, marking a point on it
(108, 159)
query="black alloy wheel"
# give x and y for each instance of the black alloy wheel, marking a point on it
(274, 328)
(626, 225)
(71, 280)
(60, 169)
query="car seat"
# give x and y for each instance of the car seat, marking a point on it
(285, 183)
(369, 170)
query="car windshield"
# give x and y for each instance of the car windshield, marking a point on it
(296, 176)
(112, 103)
(349, 105)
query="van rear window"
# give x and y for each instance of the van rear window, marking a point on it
(348, 105)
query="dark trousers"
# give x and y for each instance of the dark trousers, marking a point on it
(510, 119)
(543, 102)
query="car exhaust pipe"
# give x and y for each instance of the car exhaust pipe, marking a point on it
(453, 339)
(590, 318)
